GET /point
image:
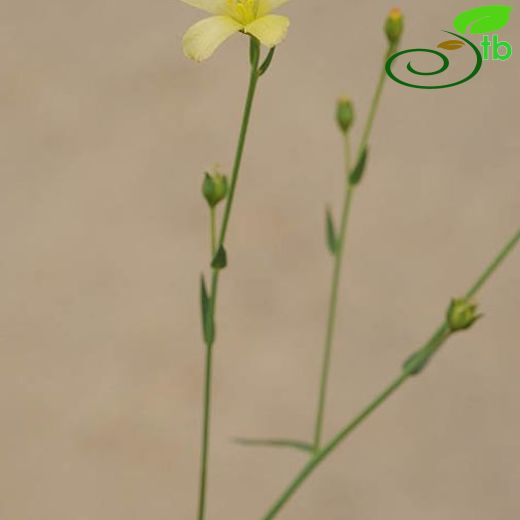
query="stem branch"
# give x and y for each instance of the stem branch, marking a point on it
(333, 302)
(338, 260)
(438, 338)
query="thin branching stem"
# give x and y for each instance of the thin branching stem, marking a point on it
(439, 337)
(333, 302)
(338, 259)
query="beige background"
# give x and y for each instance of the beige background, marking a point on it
(106, 130)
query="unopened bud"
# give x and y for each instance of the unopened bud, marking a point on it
(394, 26)
(344, 114)
(214, 188)
(461, 314)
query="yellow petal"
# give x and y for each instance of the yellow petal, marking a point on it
(210, 6)
(270, 29)
(266, 6)
(202, 39)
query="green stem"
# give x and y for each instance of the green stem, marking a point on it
(253, 80)
(333, 302)
(375, 102)
(493, 266)
(320, 455)
(336, 275)
(213, 230)
(205, 432)
(438, 338)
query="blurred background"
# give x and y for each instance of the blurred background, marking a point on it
(106, 130)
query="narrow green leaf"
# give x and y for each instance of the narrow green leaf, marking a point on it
(277, 443)
(208, 327)
(485, 19)
(332, 241)
(357, 173)
(220, 259)
(416, 363)
(267, 62)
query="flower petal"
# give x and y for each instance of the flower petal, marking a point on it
(266, 6)
(270, 29)
(210, 6)
(202, 39)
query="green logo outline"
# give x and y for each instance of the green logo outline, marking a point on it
(444, 66)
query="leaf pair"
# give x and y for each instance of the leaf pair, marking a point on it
(485, 19)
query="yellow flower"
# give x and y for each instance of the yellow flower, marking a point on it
(395, 14)
(231, 16)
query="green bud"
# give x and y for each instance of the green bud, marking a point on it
(344, 113)
(394, 26)
(461, 314)
(214, 188)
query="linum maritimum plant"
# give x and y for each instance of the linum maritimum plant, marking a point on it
(253, 18)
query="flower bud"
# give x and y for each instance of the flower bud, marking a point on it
(214, 188)
(461, 314)
(394, 26)
(344, 113)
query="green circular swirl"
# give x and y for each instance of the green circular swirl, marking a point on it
(442, 68)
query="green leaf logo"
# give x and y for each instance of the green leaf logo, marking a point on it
(483, 19)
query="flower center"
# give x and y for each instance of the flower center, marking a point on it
(243, 11)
